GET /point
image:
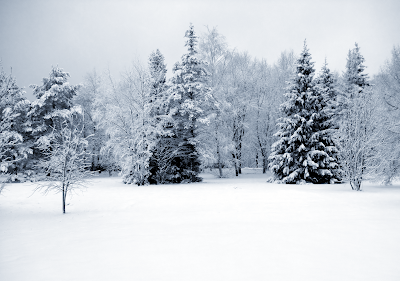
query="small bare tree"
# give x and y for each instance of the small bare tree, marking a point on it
(66, 164)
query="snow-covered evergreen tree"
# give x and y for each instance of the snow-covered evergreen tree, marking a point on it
(54, 94)
(14, 146)
(326, 85)
(158, 71)
(301, 153)
(157, 98)
(355, 110)
(187, 94)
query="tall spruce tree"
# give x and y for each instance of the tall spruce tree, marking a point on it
(158, 162)
(188, 92)
(326, 86)
(302, 151)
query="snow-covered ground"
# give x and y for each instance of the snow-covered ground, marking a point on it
(221, 229)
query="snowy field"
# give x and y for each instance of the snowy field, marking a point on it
(221, 229)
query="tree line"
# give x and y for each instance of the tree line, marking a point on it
(220, 109)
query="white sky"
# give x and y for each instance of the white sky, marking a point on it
(80, 35)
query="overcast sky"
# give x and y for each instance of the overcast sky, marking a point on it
(83, 35)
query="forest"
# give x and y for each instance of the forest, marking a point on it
(219, 109)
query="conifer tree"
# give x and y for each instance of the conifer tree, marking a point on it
(54, 94)
(187, 95)
(326, 87)
(158, 70)
(301, 153)
(14, 134)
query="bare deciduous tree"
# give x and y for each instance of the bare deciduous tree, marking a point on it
(66, 163)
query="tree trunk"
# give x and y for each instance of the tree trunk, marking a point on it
(219, 162)
(235, 163)
(264, 164)
(63, 195)
(257, 159)
(264, 159)
(239, 154)
(238, 133)
(356, 184)
(218, 154)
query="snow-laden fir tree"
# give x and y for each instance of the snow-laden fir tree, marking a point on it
(158, 163)
(326, 85)
(158, 71)
(54, 94)
(14, 146)
(302, 151)
(355, 110)
(187, 94)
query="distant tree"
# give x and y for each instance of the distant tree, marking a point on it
(87, 97)
(187, 94)
(301, 153)
(386, 159)
(240, 95)
(270, 83)
(130, 124)
(215, 143)
(66, 163)
(264, 113)
(355, 110)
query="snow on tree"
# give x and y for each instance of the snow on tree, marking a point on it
(240, 96)
(301, 153)
(387, 156)
(215, 144)
(269, 83)
(66, 163)
(265, 113)
(13, 127)
(326, 85)
(161, 153)
(130, 124)
(87, 98)
(158, 71)
(355, 110)
(54, 94)
(187, 95)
